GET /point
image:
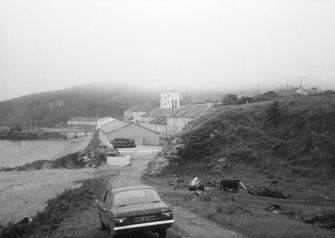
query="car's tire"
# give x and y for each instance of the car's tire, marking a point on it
(103, 226)
(162, 233)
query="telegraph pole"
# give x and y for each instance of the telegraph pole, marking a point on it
(300, 84)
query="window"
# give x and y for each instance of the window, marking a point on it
(110, 200)
(136, 196)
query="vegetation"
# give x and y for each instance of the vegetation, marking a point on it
(58, 209)
(244, 213)
(282, 140)
(284, 145)
(123, 143)
(51, 108)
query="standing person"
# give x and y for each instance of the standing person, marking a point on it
(176, 182)
(195, 182)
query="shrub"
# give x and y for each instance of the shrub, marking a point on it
(273, 114)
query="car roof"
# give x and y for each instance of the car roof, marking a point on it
(128, 188)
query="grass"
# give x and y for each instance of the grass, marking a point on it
(287, 145)
(58, 209)
(244, 213)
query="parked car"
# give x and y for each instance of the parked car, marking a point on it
(134, 209)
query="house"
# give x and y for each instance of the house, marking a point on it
(170, 118)
(182, 117)
(314, 91)
(170, 121)
(87, 122)
(159, 124)
(91, 121)
(301, 92)
(83, 121)
(4, 128)
(169, 100)
(122, 129)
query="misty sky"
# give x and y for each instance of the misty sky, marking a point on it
(171, 44)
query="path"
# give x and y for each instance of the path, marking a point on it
(190, 224)
(86, 223)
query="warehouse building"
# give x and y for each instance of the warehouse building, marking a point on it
(122, 129)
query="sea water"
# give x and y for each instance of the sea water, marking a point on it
(16, 153)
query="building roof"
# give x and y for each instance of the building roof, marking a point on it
(114, 126)
(301, 91)
(140, 108)
(92, 119)
(192, 111)
(117, 125)
(160, 112)
(159, 121)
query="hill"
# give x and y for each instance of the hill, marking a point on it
(49, 108)
(288, 144)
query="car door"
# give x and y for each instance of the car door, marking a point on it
(110, 216)
(102, 209)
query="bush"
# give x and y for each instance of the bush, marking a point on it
(273, 114)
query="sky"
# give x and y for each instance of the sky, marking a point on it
(166, 44)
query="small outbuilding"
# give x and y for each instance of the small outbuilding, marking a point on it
(122, 129)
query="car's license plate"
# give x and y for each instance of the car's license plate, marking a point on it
(144, 219)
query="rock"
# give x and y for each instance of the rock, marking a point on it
(47, 165)
(164, 158)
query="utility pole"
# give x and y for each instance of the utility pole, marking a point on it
(300, 84)
(258, 88)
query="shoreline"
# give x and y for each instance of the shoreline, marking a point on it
(74, 146)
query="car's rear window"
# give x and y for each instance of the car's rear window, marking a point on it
(136, 196)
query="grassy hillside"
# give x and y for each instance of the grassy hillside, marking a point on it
(53, 107)
(287, 144)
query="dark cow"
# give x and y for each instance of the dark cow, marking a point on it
(229, 185)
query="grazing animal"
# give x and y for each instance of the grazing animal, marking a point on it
(229, 185)
(197, 190)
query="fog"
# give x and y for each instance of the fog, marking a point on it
(172, 45)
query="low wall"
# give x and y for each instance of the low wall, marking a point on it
(118, 160)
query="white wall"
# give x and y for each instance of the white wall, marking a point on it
(134, 132)
(169, 100)
(176, 125)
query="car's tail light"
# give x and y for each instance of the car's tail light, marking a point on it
(120, 221)
(167, 215)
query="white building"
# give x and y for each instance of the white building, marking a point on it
(135, 112)
(104, 120)
(169, 122)
(122, 129)
(169, 100)
(83, 121)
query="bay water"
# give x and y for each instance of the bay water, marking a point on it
(16, 153)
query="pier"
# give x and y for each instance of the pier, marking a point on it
(46, 134)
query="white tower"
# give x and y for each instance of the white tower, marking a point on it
(169, 100)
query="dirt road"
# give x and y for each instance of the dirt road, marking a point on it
(86, 223)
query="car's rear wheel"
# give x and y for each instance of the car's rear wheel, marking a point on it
(162, 233)
(103, 226)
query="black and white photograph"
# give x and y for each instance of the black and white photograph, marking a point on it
(167, 118)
